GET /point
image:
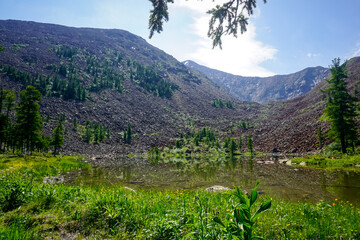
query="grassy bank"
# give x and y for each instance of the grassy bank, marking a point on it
(30, 209)
(320, 161)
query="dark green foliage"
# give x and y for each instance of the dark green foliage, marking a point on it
(13, 194)
(226, 19)
(320, 137)
(28, 120)
(226, 143)
(65, 52)
(48, 85)
(179, 144)
(250, 144)
(243, 218)
(220, 104)
(75, 123)
(95, 133)
(232, 146)
(62, 70)
(105, 77)
(147, 78)
(240, 144)
(2, 48)
(340, 108)
(246, 124)
(57, 138)
(206, 135)
(128, 134)
(7, 103)
(158, 15)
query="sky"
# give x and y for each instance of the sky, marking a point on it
(284, 36)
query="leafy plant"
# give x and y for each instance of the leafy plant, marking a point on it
(242, 220)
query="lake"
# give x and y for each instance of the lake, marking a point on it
(277, 179)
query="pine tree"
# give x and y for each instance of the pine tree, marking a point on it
(57, 138)
(232, 146)
(240, 144)
(28, 120)
(7, 102)
(340, 108)
(320, 138)
(129, 134)
(250, 144)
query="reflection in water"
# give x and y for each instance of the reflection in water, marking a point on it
(277, 179)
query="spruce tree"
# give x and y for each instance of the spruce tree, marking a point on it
(7, 102)
(232, 146)
(250, 144)
(28, 120)
(129, 134)
(320, 137)
(240, 144)
(57, 138)
(340, 108)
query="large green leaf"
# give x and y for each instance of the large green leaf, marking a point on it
(265, 206)
(253, 196)
(218, 221)
(239, 216)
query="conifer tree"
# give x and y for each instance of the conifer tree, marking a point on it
(340, 108)
(28, 120)
(320, 137)
(240, 144)
(250, 144)
(7, 102)
(127, 134)
(57, 138)
(232, 146)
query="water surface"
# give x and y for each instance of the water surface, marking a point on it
(276, 178)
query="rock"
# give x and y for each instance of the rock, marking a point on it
(357, 165)
(269, 162)
(217, 188)
(303, 164)
(52, 179)
(130, 189)
(288, 162)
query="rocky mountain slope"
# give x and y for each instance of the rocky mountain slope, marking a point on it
(114, 78)
(120, 77)
(264, 89)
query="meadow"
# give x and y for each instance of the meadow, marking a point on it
(32, 209)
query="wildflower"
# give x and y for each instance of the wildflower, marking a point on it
(333, 204)
(227, 210)
(336, 199)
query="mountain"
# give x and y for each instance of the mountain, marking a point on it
(265, 89)
(114, 78)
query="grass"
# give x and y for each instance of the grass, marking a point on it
(30, 209)
(321, 161)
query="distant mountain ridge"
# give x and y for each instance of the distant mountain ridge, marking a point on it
(265, 89)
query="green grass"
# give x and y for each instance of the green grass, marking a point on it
(30, 209)
(320, 161)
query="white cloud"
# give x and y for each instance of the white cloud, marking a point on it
(356, 52)
(241, 56)
(312, 55)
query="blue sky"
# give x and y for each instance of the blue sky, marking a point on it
(284, 36)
